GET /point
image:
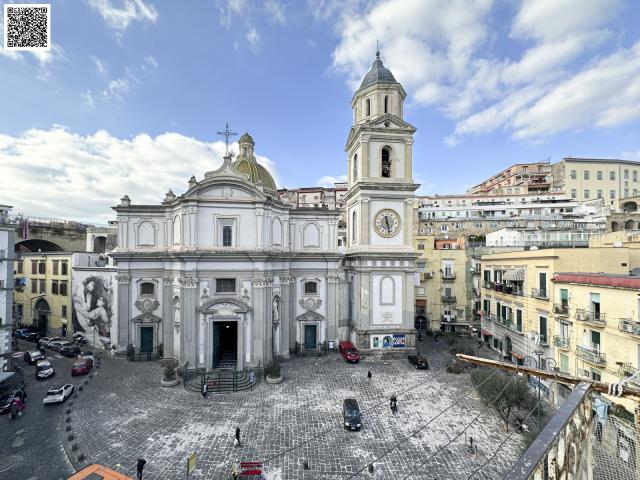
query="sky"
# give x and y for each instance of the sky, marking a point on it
(131, 95)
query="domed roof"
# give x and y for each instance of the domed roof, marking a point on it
(246, 138)
(255, 171)
(377, 74)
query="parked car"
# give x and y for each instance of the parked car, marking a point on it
(44, 369)
(21, 332)
(349, 352)
(419, 361)
(33, 357)
(9, 396)
(79, 338)
(31, 336)
(70, 351)
(58, 394)
(351, 414)
(81, 367)
(58, 345)
(87, 354)
(44, 341)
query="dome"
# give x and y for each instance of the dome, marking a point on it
(377, 74)
(255, 171)
(246, 138)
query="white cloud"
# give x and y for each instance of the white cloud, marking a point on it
(230, 9)
(444, 54)
(120, 18)
(150, 62)
(60, 174)
(87, 98)
(275, 12)
(253, 38)
(328, 181)
(100, 65)
(117, 89)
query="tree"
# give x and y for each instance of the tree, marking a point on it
(504, 392)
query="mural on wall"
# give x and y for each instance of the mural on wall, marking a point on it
(93, 307)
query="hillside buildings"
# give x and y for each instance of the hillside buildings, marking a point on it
(7, 240)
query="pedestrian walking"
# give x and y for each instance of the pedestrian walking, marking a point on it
(140, 467)
(204, 390)
(369, 375)
(13, 410)
(237, 441)
(393, 403)
(20, 406)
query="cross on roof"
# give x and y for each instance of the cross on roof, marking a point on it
(227, 133)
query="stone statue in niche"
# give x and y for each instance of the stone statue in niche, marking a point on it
(275, 306)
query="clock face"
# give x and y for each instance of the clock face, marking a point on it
(387, 222)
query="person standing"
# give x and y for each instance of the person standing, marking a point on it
(140, 467)
(393, 403)
(204, 390)
(238, 444)
(369, 375)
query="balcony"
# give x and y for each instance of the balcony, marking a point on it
(563, 343)
(512, 289)
(540, 293)
(629, 326)
(448, 276)
(448, 299)
(561, 309)
(475, 270)
(489, 317)
(627, 370)
(591, 355)
(448, 319)
(510, 324)
(597, 319)
(476, 293)
(488, 285)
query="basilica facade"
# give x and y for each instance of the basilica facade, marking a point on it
(228, 275)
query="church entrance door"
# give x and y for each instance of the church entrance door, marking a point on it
(310, 337)
(224, 353)
(146, 339)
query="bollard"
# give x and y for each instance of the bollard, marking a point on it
(67, 428)
(68, 410)
(70, 437)
(68, 419)
(74, 447)
(371, 468)
(80, 387)
(305, 465)
(81, 457)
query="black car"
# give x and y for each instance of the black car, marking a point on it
(31, 336)
(70, 351)
(351, 414)
(7, 398)
(33, 357)
(419, 361)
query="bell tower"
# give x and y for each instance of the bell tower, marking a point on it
(379, 206)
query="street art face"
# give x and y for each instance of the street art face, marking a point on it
(93, 308)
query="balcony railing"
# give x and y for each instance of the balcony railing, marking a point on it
(597, 319)
(448, 299)
(510, 324)
(560, 309)
(627, 370)
(448, 319)
(591, 355)
(562, 342)
(475, 271)
(490, 317)
(448, 276)
(629, 326)
(540, 293)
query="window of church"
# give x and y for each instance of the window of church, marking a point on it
(353, 227)
(355, 167)
(147, 288)
(386, 162)
(386, 103)
(225, 285)
(310, 288)
(226, 236)
(368, 107)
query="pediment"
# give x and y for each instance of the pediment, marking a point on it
(146, 318)
(310, 316)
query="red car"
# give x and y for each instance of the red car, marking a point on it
(349, 352)
(81, 367)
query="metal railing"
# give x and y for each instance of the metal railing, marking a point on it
(448, 319)
(448, 299)
(488, 284)
(448, 275)
(132, 356)
(489, 316)
(591, 355)
(562, 342)
(597, 319)
(475, 271)
(510, 324)
(561, 309)
(629, 326)
(220, 380)
(627, 370)
(540, 293)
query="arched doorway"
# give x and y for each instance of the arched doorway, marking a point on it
(615, 227)
(628, 207)
(420, 322)
(508, 347)
(629, 225)
(41, 312)
(99, 244)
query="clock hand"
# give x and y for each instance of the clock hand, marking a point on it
(386, 220)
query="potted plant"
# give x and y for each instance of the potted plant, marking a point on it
(274, 375)
(170, 376)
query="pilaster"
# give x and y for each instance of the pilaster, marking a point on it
(124, 311)
(167, 316)
(189, 318)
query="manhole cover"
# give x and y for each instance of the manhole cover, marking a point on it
(9, 462)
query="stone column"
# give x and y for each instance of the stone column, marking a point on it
(332, 307)
(286, 316)
(258, 333)
(124, 311)
(190, 318)
(260, 240)
(167, 317)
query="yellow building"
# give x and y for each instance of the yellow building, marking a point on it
(597, 327)
(44, 299)
(518, 298)
(443, 293)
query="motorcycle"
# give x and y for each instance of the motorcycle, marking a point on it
(79, 339)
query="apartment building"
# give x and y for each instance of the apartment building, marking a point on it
(7, 240)
(597, 327)
(518, 297)
(43, 288)
(518, 178)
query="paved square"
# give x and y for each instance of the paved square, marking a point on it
(124, 414)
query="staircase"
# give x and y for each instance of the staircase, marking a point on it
(222, 380)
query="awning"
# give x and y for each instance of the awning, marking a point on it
(517, 355)
(486, 333)
(514, 275)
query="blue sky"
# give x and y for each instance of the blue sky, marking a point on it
(131, 95)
